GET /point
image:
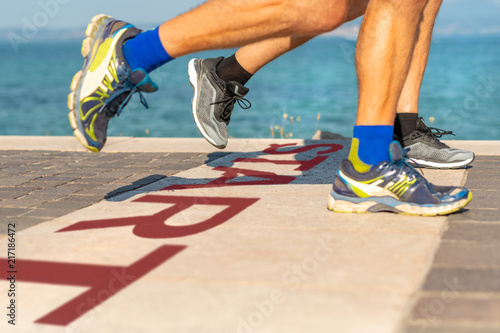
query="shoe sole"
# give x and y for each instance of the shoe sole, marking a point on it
(437, 165)
(342, 204)
(87, 46)
(193, 81)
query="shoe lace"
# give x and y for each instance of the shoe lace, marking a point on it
(438, 133)
(403, 166)
(122, 94)
(229, 101)
(431, 134)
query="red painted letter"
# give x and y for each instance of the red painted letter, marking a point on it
(153, 226)
(103, 281)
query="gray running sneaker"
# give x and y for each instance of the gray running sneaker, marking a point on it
(423, 147)
(213, 100)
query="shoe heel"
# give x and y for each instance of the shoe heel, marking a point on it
(72, 101)
(72, 120)
(96, 21)
(87, 42)
(76, 80)
(91, 32)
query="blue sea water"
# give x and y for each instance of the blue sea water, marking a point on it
(460, 92)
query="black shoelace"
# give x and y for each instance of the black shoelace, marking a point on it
(122, 94)
(229, 101)
(430, 132)
(439, 132)
(403, 166)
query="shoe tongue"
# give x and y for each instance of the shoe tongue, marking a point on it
(395, 151)
(236, 88)
(421, 125)
(142, 80)
(137, 76)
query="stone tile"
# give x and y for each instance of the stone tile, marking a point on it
(168, 170)
(67, 204)
(487, 158)
(15, 192)
(15, 180)
(453, 307)
(10, 153)
(26, 201)
(21, 223)
(15, 170)
(42, 183)
(143, 179)
(85, 198)
(61, 178)
(181, 166)
(41, 172)
(485, 199)
(473, 280)
(73, 188)
(94, 180)
(448, 329)
(8, 212)
(48, 213)
(476, 184)
(57, 192)
(180, 156)
(483, 175)
(476, 214)
(159, 161)
(119, 174)
(78, 173)
(479, 232)
(468, 255)
(103, 190)
(135, 169)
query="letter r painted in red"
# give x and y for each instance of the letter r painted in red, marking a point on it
(154, 226)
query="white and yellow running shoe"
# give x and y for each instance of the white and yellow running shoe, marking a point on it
(106, 82)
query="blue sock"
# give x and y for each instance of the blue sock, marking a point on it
(370, 146)
(146, 51)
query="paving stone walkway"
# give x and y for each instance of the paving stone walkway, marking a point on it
(274, 261)
(462, 291)
(38, 185)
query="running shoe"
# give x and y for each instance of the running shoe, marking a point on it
(213, 100)
(393, 186)
(425, 149)
(106, 82)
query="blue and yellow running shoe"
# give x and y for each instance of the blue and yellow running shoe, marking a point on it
(106, 82)
(393, 186)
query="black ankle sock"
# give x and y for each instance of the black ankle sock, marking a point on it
(405, 124)
(229, 69)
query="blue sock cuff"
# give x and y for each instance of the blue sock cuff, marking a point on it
(374, 143)
(146, 51)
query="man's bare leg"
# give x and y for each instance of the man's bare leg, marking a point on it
(253, 57)
(219, 24)
(424, 146)
(407, 109)
(383, 56)
(408, 101)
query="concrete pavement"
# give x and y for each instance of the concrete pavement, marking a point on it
(156, 235)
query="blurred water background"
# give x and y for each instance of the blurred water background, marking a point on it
(313, 87)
